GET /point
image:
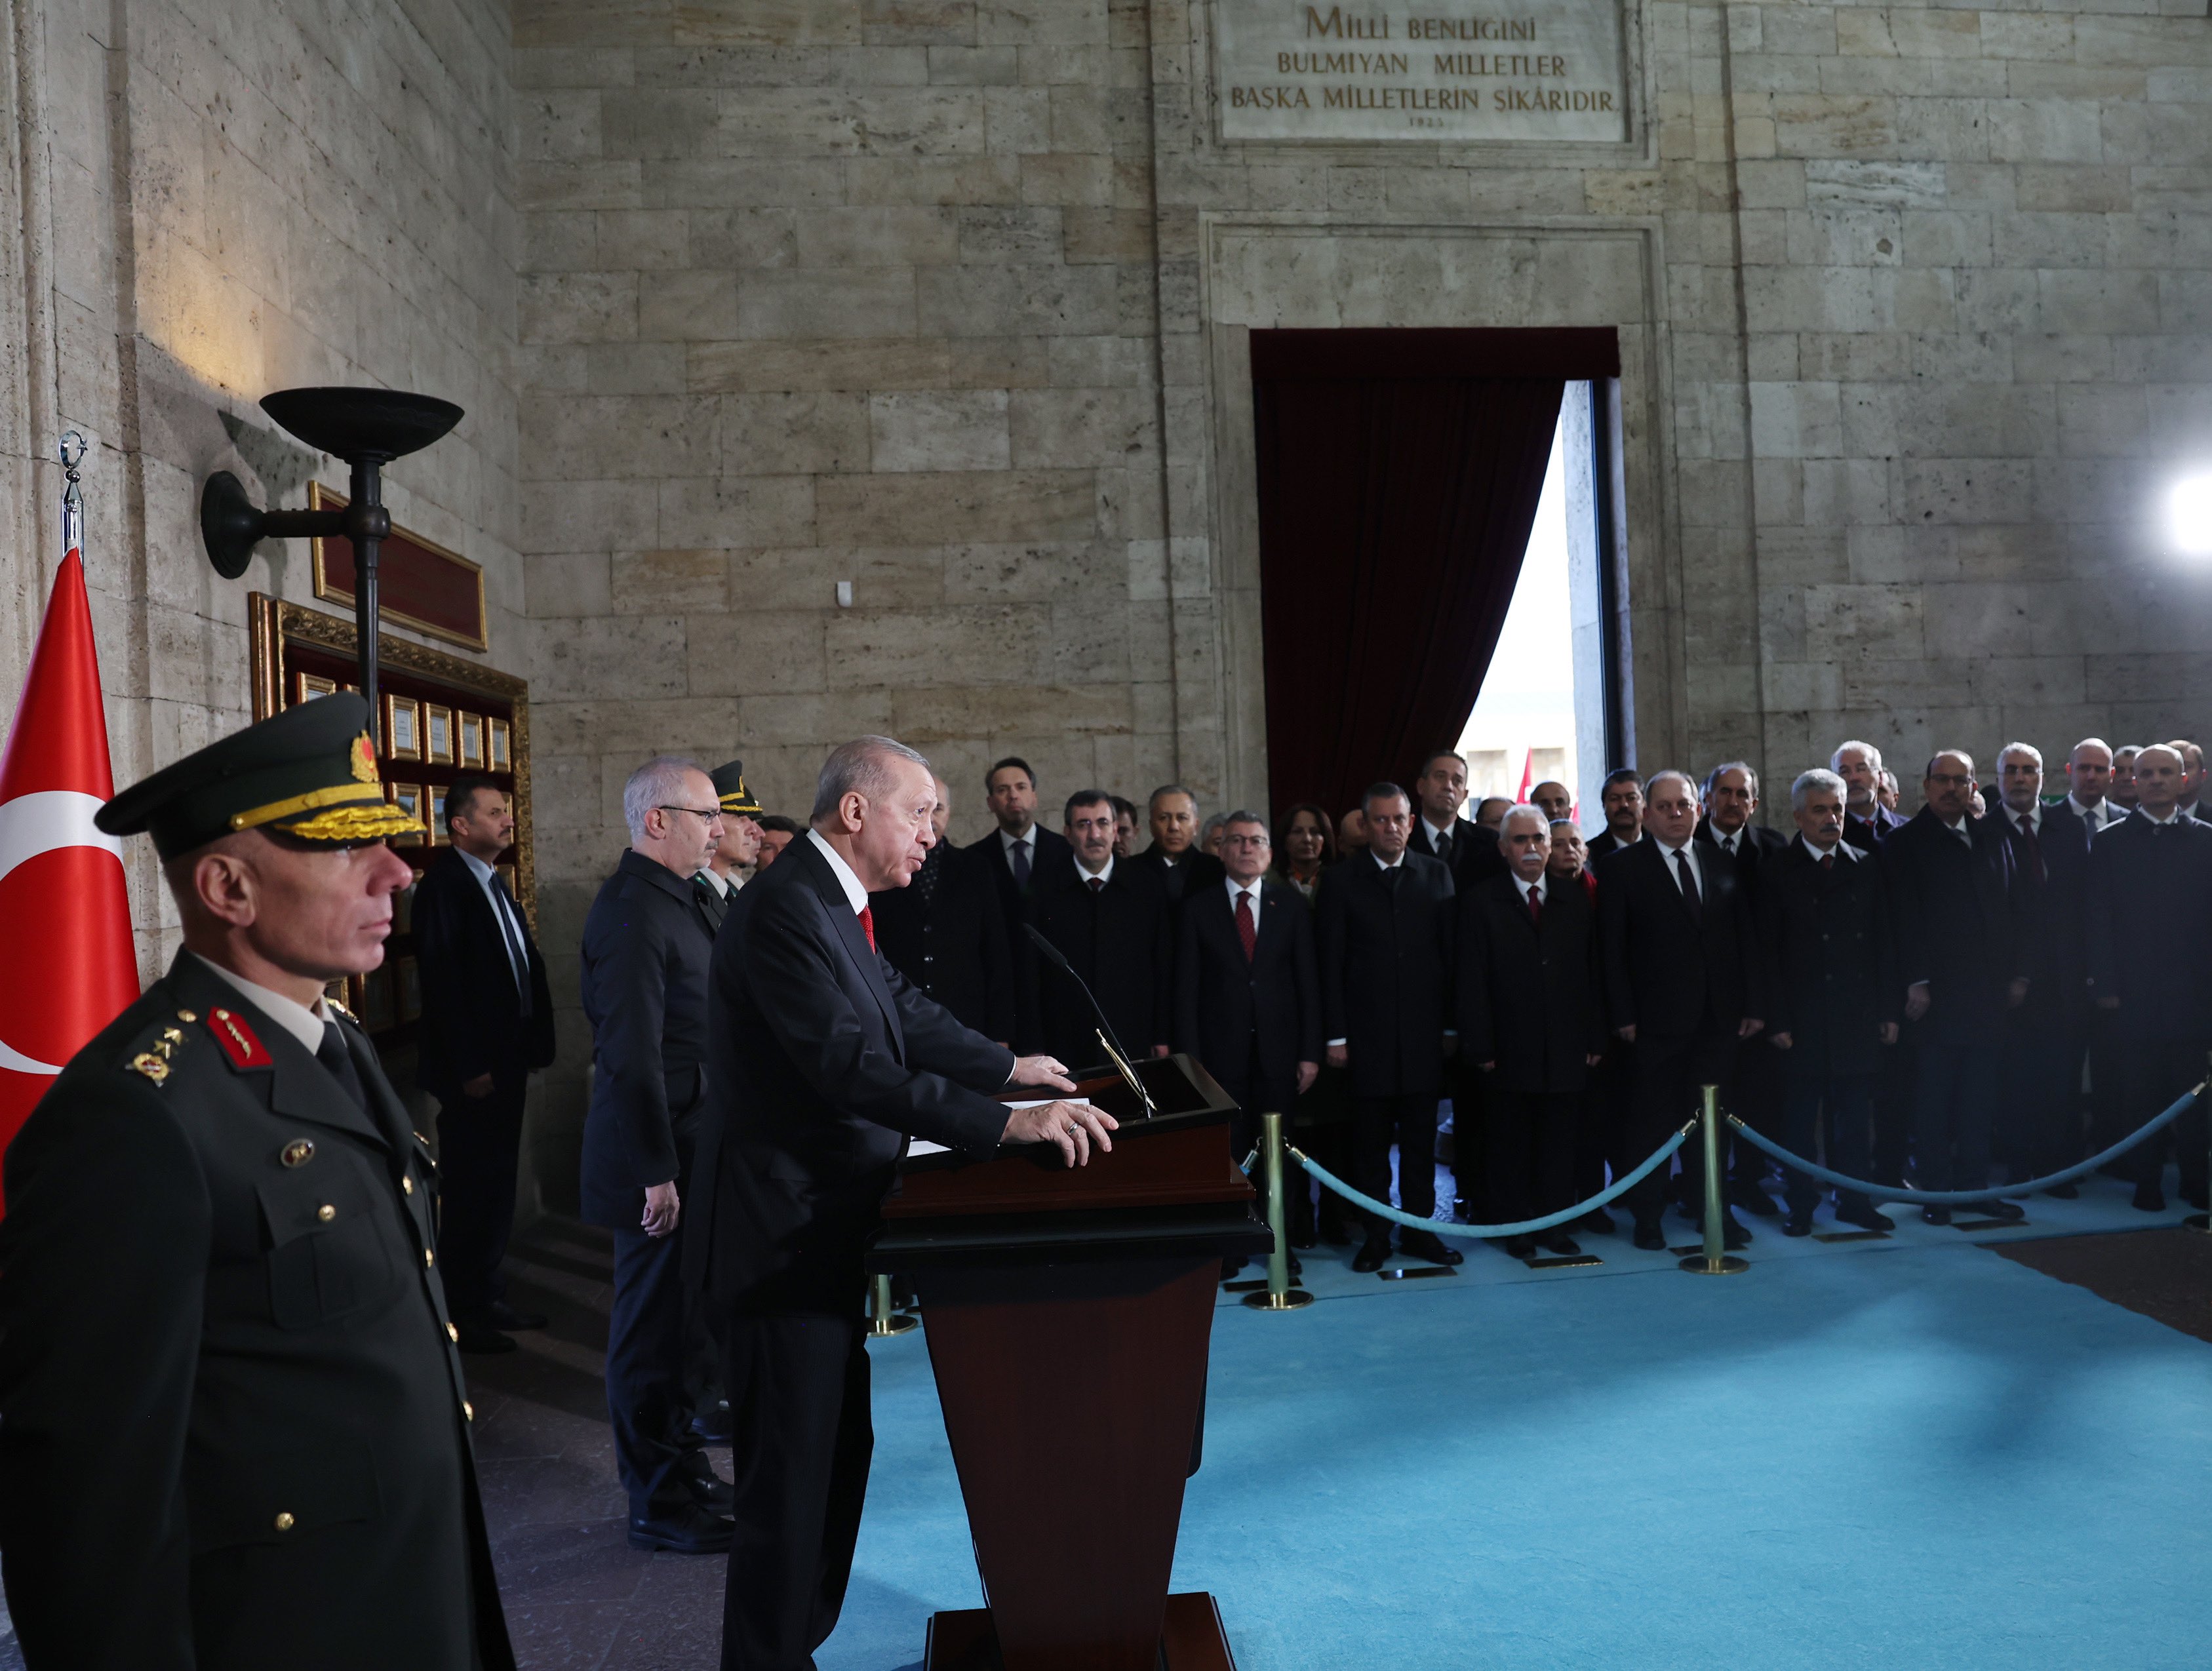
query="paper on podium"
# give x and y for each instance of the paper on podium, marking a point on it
(922, 1145)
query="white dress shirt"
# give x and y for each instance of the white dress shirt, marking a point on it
(1842, 849)
(1528, 888)
(1674, 871)
(1007, 843)
(1249, 888)
(1439, 833)
(1960, 829)
(1731, 845)
(303, 1022)
(855, 894)
(1101, 878)
(1390, 864)
(510, 930)
(2095, 816)
(2174, 816)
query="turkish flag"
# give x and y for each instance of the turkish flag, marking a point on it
(67, 966)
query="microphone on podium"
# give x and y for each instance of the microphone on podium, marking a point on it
(1112, 1045)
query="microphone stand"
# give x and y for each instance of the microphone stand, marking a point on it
(1105, 1030)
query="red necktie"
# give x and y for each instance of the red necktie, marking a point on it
(1098, 882)
(1248, 931)
(1827, 861)
(2035, 847)
(868, 925)
(1536, 906)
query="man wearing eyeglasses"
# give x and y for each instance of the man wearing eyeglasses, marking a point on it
(646, 944)
(1964, 941)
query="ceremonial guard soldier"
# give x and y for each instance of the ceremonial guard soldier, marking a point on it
(234, 1430)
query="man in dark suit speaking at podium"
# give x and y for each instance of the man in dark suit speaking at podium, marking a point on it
(823, 1060)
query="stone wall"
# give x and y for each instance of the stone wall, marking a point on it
(208, 201)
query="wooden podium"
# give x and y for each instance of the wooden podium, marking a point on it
(1067, 1311)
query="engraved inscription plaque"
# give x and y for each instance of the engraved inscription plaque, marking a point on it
(1519, 69)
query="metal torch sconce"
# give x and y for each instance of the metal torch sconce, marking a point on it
(367, 427)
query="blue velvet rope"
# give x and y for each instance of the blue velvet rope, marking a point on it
(1621, 1187)
(1963, 1197)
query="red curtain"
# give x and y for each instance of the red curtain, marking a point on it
(1399, 472)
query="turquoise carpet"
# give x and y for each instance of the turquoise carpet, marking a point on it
(1922, 1457)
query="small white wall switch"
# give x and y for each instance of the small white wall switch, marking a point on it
(844, 594)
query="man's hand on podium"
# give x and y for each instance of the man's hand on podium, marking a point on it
(1074, 1126)
(1041, 1071)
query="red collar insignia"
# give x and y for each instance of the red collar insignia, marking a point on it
(238, 1040)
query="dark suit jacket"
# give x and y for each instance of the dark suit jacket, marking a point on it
(825, 1060)
(1667, 974)
(1825, 939)
(1386, 971)
(196, 1337)
(2150, 927)
(1223, 1004)
(1052, 853)
(1860, 834)
(472, 1020)
(944, 932)
(714, 903)
(1529, 995)
(2057, 907)
(1120, 940)
(646, 945)
(1757, 847)
(1961, 920)
(1603, 842)
(1474, 855)
(1189, 876)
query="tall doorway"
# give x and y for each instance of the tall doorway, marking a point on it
(1543, 713)
(1438, 556)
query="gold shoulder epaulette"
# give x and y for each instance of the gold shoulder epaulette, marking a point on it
(153, 1060)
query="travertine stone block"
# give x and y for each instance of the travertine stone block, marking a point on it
(938, 430)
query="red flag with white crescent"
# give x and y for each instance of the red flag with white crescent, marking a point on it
(67, 966)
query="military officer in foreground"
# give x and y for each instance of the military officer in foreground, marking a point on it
(233, 1427)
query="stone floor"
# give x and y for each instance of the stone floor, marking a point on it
(578, 1598)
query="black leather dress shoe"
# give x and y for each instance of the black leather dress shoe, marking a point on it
(1651, 1238)
(1800, 1223)
(2006, 1210)
(689, 1530)
(1933, 1214)
(1427, 1244)
(1865, 1215)
(2062, 1192)
(1370, 1256)
(1520, 1247)
(2150, 1197)
(713, 1425)
(1735, 1237)
(709, 1489)
(486, 1341)
(1563, 1245)
(504, 1316)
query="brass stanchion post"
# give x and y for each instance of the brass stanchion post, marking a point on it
(1280, 1295)
(1716, 1261)
(2202, 1221)
(883, 1318)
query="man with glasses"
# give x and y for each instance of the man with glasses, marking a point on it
(647, 944)
(1963, 940)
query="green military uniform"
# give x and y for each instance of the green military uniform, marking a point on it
(234, 1428)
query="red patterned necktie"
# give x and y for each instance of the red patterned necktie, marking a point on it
(1536, 906)
(868, 925)
(1247, 930)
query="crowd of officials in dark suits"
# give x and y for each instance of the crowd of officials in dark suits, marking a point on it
(1948, 1001)
(1926, 999)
